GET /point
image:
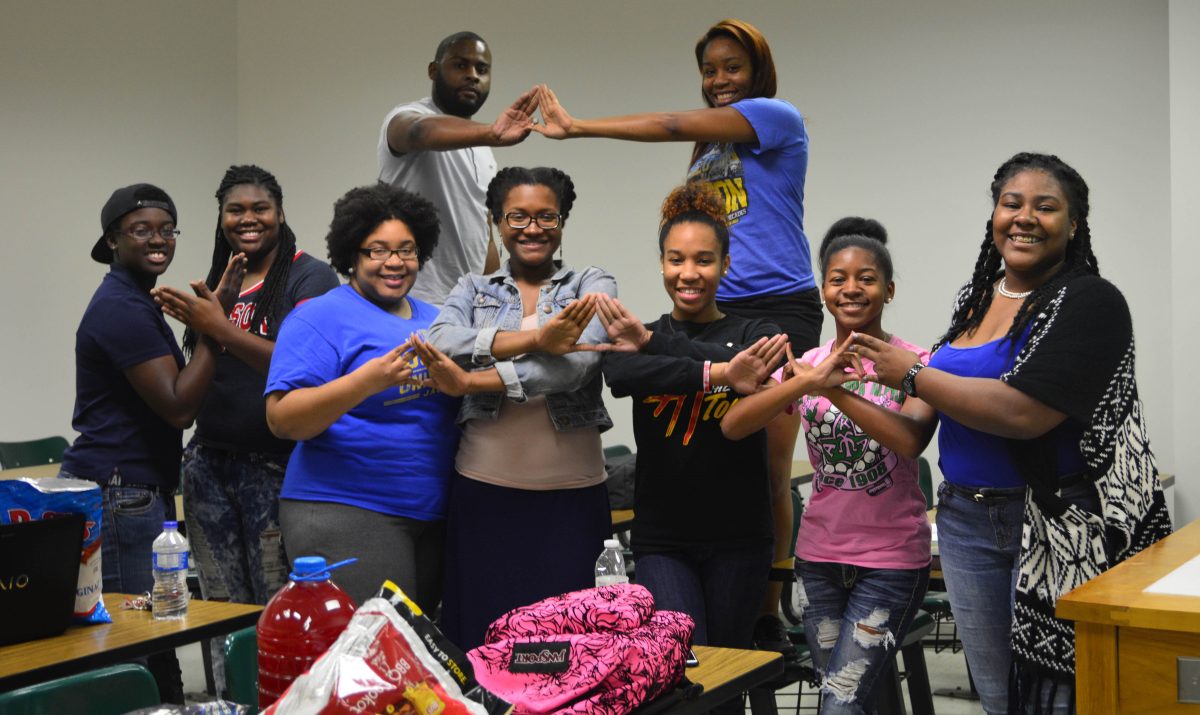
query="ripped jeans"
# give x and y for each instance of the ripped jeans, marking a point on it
(854, 619)
(232, 500)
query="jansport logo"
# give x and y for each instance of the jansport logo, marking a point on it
(540, 658)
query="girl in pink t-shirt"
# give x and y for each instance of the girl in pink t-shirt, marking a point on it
(862, 553)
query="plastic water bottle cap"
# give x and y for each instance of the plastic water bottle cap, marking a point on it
(612, 544)
(170, 524)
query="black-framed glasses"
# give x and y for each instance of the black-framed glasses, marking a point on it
(379, 254)
(145, 233)
(520, 219)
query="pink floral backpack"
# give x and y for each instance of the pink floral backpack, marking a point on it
(600, 651)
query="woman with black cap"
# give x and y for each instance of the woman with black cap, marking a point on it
(133, 393)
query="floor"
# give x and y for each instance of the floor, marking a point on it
(946, 670)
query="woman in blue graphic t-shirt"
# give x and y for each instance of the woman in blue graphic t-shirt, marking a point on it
(753, 149)
(375, 447)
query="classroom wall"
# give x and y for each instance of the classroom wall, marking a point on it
(94, 96)
(1185, 252)
(910, 107)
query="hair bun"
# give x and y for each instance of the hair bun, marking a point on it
(694, 197)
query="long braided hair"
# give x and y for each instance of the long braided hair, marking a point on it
(976, 296)
(274, 284)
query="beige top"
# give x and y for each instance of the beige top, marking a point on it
(521, 449)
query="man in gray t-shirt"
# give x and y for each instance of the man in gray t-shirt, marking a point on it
(432, 148)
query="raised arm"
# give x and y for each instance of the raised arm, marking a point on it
(714, 124)
(175, 395)
(410, 131)
(984, 404)
(306, 412)
(754, 411)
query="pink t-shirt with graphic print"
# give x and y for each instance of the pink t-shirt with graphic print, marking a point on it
(866, 508)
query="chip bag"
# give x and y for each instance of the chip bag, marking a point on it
(30, 499)
(390, 659)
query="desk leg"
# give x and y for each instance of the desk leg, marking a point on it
(1095, 669)
(762, 701)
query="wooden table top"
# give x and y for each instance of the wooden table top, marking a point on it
(131, 634)
(36, 471)
(1117, 597)
(724, 673)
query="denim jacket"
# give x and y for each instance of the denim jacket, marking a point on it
(480, 306)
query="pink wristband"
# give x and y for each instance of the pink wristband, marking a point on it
(707, 375)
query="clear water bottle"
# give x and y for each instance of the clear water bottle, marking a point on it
(610, 567)
(169, 599)
(299, 623)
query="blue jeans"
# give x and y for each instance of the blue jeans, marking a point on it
(132, 519)
(233, 499)
(855, 619)
(720, 588)
(980, 544)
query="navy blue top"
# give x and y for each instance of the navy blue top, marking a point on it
(121, 327)
(971, 458)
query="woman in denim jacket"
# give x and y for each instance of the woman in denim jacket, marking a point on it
(528, 508)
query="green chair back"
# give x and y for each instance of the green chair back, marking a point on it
(925, 480)
(241, 667)
(48, 450)
(617, 450)
(108, 691)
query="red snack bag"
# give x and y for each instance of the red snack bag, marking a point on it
(381, 664)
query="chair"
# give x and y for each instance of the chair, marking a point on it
(786, 603)
(48, 450)
(925, 480)
(107, 691)
(617, 450)
(937, 603)
(241, 667)
(889, 699)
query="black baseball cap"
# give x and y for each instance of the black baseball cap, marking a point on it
(127, 200)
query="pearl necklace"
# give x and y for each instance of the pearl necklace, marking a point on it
(1002, 289)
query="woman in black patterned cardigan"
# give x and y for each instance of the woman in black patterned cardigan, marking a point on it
(1049, 477)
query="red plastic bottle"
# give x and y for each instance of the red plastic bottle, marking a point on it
(299, 623)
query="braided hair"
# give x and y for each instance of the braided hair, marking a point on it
(274, 284)
(976, 296)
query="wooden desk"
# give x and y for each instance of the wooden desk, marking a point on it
(725, 673)
(37, 471)
(802, 472)
(1126, 640)
(622, 519)
(132, 634)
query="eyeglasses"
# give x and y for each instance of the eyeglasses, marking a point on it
(520, 219)
(145, 233)
(379, 254)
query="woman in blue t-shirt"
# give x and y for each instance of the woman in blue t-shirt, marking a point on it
(375, 447)
(753, 149)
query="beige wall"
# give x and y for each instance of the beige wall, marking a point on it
(1184, 330)
(94, 96)
(910, 106)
